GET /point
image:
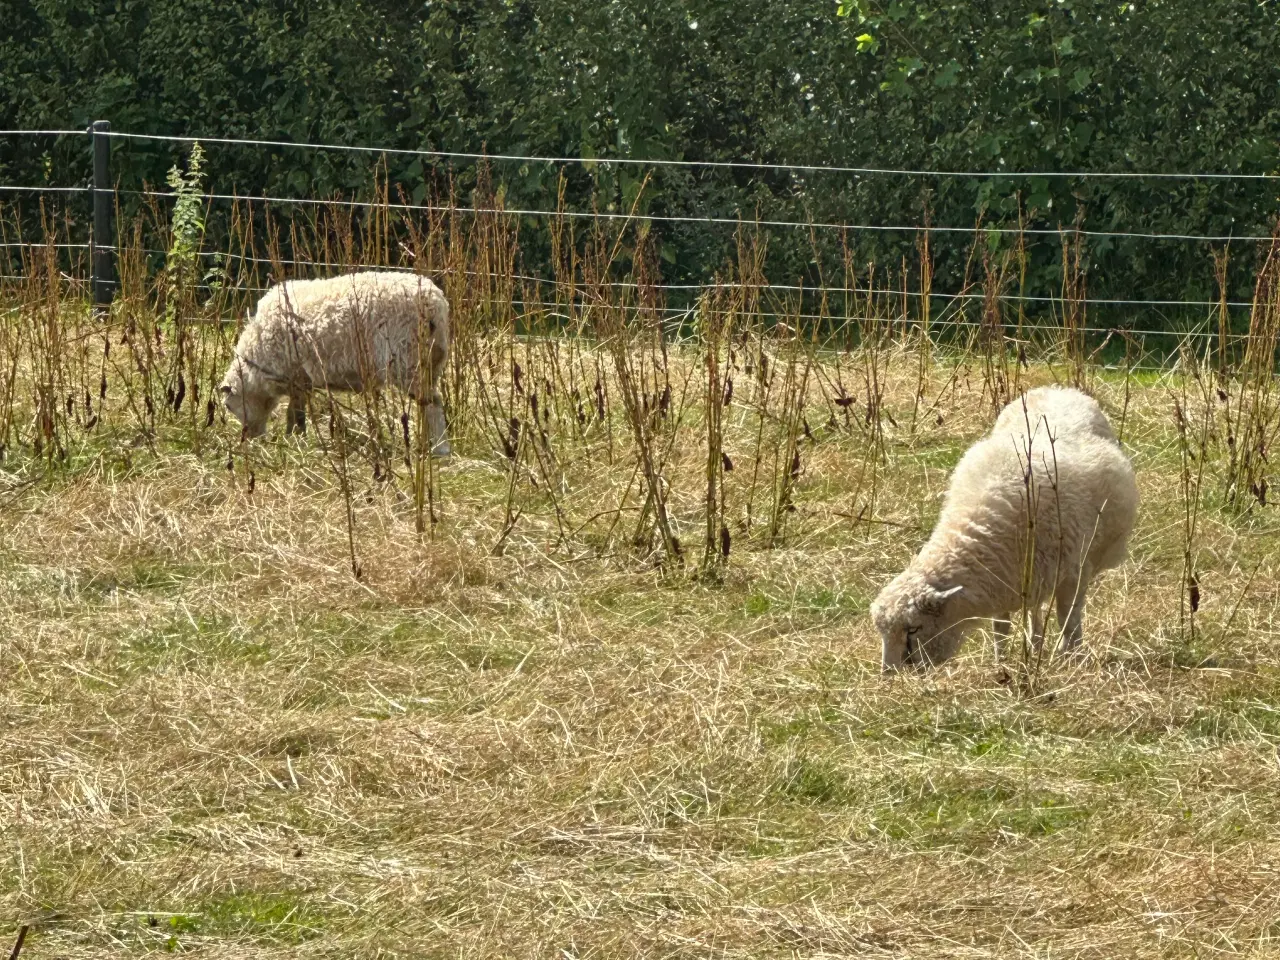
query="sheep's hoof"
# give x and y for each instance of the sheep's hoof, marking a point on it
(442, 450)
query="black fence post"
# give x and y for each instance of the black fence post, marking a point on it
(102, 254)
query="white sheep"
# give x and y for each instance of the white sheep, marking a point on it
(342, 333)
(975, 561)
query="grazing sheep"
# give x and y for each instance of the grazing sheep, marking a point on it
(343, 333)
(974, 563)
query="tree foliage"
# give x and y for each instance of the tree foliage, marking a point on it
(1004, 85)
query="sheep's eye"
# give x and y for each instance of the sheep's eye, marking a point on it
(912, 631)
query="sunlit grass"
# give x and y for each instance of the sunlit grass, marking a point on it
(217, 739)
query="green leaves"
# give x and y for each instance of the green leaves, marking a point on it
(849, 8)
(1002, 85)
(948, 76)
(895, 80)
(187, 225)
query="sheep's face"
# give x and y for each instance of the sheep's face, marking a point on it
(246, 399)
(918, 625)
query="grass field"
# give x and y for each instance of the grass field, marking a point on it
(216, 740)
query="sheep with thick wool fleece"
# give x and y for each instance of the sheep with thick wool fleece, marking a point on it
(342, 333)
(974, 564)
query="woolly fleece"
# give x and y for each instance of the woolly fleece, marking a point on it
(1086, 498)
(340, 333)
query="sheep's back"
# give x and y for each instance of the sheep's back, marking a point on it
(337, 327)
(1066, 412)
(1083, 485)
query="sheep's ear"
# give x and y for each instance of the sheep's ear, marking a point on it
(937, 598)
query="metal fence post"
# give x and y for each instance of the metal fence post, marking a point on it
(102, 255)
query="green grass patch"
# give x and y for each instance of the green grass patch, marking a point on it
(192, 642)
(261, 918)
(812, 780)
(973, 813)
(1236, 719)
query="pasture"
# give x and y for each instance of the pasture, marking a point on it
(603, 683)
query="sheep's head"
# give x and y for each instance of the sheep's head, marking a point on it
(918, 623)
(248, 397)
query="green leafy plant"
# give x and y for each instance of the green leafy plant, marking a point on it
(182, 265)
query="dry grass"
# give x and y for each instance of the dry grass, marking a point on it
(250, 710)
(216, 740)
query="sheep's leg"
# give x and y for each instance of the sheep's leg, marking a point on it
(1030, 630)
(1070, 604)
(1037, 628)
(432, 413)
(296, 413)
(1000, 630)
(438, 429)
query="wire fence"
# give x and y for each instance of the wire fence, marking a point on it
(835, 319)
(711, 164)
(677, 218)
(673, 320)
(659, 161)
(883, 292)
(721, 221)
(919, 229)
(40, 188)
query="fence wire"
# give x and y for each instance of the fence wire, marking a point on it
(659, 218)
(713, 164)
(729, 221)
(583, 307)
(336, 269)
